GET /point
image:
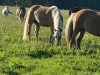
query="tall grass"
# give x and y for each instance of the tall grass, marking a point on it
(33, 57)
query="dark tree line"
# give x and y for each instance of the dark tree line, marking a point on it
(62, 4)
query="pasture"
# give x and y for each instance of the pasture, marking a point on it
(19, 57)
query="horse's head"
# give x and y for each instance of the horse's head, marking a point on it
(57, 31)
(57, 35)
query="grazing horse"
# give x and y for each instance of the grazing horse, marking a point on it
(47, 17)
(74, 10)
(6, 11)
(79, 22)
(20, 13)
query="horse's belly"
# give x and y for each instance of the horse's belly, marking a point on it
(44, 20)
(93, 28)
(92, 25)
(94, 33)
(45, 23)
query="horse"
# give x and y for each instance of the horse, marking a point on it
(20, 13)
(5, 11)
(47, 17)
(74, 10)
(79, 22)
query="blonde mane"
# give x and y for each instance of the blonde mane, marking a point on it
(56, 15)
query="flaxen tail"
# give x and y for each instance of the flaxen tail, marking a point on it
(69, 29)
(29, 21)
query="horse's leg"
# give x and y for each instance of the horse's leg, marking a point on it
(51, 35)
(17, 16)
(20, 18)
(80, 38)
(37, 29)
(73, 38)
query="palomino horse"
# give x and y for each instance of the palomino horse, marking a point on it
(6, 11)
(79, 22)
(20, 13)
(74, 10)
(47, 17)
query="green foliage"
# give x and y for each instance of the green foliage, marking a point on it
(18, 57)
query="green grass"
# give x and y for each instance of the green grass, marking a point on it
(18, 57)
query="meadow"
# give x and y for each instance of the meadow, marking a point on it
(33, 57)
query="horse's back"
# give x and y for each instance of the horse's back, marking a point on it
(89, 20)
(33, 8)
(43, 16)
(80, 16)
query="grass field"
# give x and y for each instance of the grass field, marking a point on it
(18, 57)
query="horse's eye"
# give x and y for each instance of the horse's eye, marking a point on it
(55, 29)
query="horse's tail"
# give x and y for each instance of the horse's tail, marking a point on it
(57, 18)
(29, 21)
(69, 29)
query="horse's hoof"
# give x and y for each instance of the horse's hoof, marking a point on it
(25, 39)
